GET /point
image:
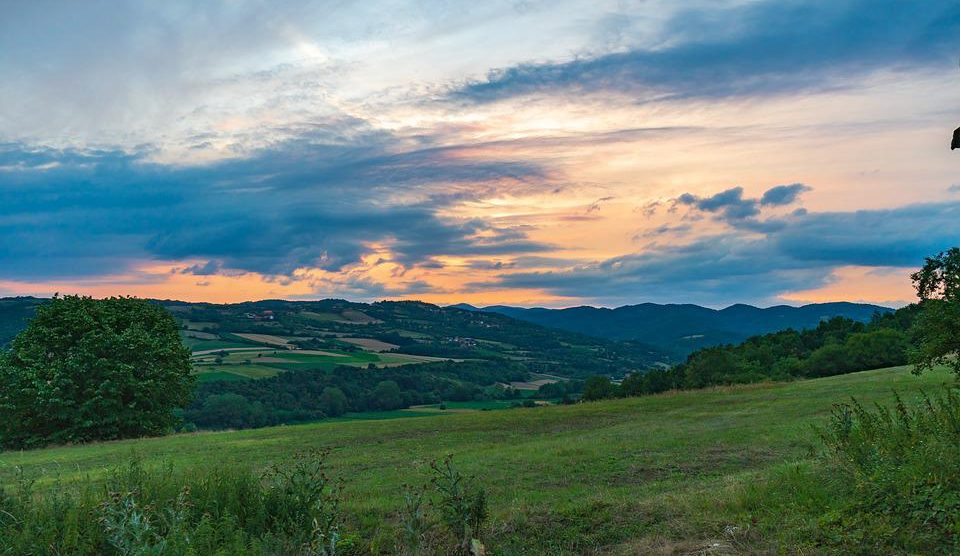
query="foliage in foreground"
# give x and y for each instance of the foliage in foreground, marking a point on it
(684, 499)
(291, 509)
(886, 481)
(87, 369)
(901, 471)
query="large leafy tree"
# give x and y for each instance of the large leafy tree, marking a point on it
(87, 369)
(937, 327)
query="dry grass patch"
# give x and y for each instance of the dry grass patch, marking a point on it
(265, 339)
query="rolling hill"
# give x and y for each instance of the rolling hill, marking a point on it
(258, 339)
(682, 329)
(716, 471)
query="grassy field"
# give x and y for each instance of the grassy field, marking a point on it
(673, 473)
(246, 362)
(236, 372)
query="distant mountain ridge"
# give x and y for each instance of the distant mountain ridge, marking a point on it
(683, 328)
(657, 333)
(414, 328)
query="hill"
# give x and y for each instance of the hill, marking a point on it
(717, 471)
(261, 339)
(14, 313)
(683, 329)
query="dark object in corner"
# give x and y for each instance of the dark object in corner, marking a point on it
(956, 139)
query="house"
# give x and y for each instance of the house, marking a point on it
(263, 315)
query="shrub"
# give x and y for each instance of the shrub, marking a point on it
(899, 473)
(291, 509)
(598, 388)
(461, 503)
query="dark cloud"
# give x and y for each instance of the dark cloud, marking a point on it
(759, 48)
(731, 207)
(900, 236)
(739, 266)
(730, 204)
(318, 201)
(206, 269)
(783, 194)
(713, 270)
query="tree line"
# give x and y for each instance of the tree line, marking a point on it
(925, 334)
(87, 369)
(301, 396)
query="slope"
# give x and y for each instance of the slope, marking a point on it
(671, 473)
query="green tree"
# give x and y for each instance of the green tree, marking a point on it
(936, 329)
(333, 402)
(876, 349)
(387, 395)
(831, 359)
(711, 366)
(229, 411)
(87, 369)
(598, 388)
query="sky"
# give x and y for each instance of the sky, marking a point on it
(524, 152)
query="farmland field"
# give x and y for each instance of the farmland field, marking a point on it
(238, 372)
(265, 339)
(243, 356)
(669, 473)
(370, 344)
(198, 344)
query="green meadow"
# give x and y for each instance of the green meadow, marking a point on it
(729, 469)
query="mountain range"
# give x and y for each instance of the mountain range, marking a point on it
(647, 332)
(682, 329)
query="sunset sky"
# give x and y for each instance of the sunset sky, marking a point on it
(523, 152)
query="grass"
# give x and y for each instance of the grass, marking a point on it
(256, 363)
(220, 375)
(482, 405)
(382, 415)
(252, 371)
(197, 344)
(344, 357)
(670, 473)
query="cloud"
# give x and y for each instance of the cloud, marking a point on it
(664, 230)
(209, 268)
(783, 194)
(322, 200)
(738, 266)
(730, 204)
(595, 206)
(731, 207)
(758, 48)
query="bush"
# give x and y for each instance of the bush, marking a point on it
(598, 388)
(899, 475)
(462, 505)
(291, 509)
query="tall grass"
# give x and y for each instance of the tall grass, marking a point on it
(290, 509)
(898, 470)
(158, 510)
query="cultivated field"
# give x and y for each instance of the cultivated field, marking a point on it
(690, 472)
(370, 344)
(248, 356)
